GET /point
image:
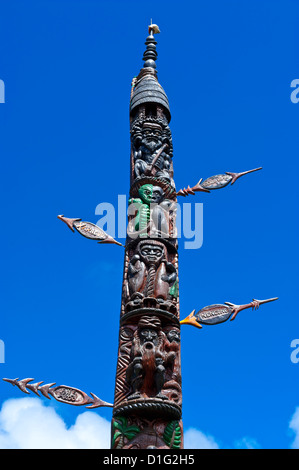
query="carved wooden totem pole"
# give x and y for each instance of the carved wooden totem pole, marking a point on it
(147, 406)
(148, 396)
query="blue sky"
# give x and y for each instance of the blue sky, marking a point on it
(226, 68)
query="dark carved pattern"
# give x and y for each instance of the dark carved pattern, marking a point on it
(125, 343)
(67, 394)
(124, 286)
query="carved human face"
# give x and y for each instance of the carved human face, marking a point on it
(173, 335)
(151, 134)
(152, 253)
(157, 194)
(151, 194)
(148, 337)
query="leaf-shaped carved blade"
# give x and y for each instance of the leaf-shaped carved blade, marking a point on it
(215, 182)
(214, 314)
(74, 396)
(91, 231)
(220, 313)
(61, 393)
(220, 181)
(88, 230)
(210, 315)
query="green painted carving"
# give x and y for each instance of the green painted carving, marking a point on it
(149, 194)
(122, 430)
(174, 290)
(143, 206)
(173, 435)
(146, 193)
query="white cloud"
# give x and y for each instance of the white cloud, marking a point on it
(195, 439)
(26, 423)
(246, 443)
(294, 426)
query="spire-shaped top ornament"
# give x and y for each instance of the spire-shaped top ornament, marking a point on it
(151, 54)
(145, 87)
(153, 28)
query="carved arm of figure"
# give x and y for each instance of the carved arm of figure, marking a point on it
(134, 376)
(138, 163)
(160, 377)
(171, 273)
(143, 214)
(142, 161)
(136, 201)
(131, 268)
(137, 155)
(170, 358)
(166, 161)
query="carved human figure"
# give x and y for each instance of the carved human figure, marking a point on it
(173, 379)
(151, 212)
(146, 372)
(150, 274)
(152, 148)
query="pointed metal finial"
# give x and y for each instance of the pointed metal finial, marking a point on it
(153, 28)
(151, 54)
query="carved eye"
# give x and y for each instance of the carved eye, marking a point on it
(175, 397)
